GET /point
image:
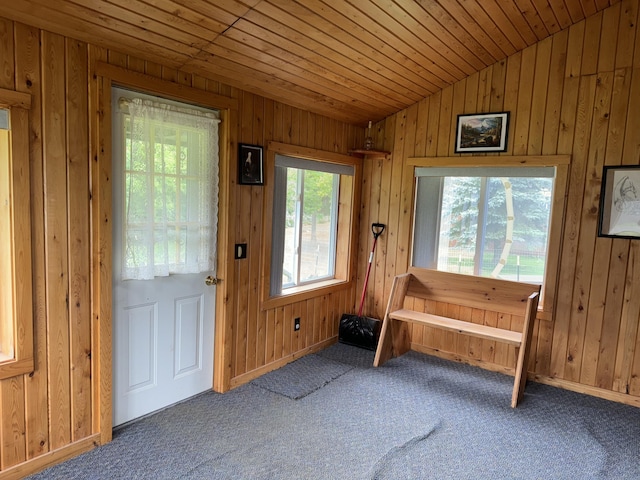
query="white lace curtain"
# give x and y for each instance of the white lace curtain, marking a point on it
(171, 190)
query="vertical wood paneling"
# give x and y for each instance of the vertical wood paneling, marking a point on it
(6, 54)
(12, 425)
(28, 80)
(64, 399)
(79, 237)
(56, 227)
(577, 93)
(570, 271)
(574, 93)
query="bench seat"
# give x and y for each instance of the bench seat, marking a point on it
(460, 326)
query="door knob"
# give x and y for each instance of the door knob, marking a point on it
(211, 281)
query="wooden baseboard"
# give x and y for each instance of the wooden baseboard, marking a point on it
(554, 382)
(49, 459)
(457, 358)
(253, 374)
(587, 390)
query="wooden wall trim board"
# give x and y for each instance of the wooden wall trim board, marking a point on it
(12, 98)
(614, 396)
(59, 455)
(153, 85)
(491, 160)
(253, 374)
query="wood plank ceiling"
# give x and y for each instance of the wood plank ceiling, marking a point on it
(352, 60)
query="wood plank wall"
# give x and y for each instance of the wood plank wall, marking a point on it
(264, 340)
(576, 93)
(53, 413)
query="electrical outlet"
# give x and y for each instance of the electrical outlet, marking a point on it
(296, 324)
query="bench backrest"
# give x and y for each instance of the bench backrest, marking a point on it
(470, 291)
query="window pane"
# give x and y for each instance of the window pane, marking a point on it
(488, 226)
(317, 226)
(289, 269)
(310, 227)
(170, 159)
(458, 224)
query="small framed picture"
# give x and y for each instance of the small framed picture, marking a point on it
(620, 202)
(482, 132)
(250, 165)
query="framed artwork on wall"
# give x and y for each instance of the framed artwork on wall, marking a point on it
(482, 132)
(250, 170)
(620, 202)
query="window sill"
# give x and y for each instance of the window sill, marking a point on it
(13, 368)
(298, 294)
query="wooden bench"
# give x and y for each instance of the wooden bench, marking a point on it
(490, 294)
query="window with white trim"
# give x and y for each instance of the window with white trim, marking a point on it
(305, 222)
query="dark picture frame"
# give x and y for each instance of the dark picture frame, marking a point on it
(619, 215)
(250, 165)
(482, 132)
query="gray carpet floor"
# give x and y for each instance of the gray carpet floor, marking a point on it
(331, 415)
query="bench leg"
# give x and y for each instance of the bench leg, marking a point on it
(520, 378)
(523, 354)
(394, 341)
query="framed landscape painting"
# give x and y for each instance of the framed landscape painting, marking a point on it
(482, 132)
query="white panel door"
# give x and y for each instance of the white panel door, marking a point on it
(163, 328)
(163, 343)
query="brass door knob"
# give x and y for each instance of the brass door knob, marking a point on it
(211, 281)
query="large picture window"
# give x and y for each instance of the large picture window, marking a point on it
(484, 221)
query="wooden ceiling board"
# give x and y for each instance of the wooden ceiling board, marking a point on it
(545, 11)
(137, 18)
(504, 24)
(479, 43)
(51, 19)
(588, 7)
(530, 13)
(228, 48)
(350, 60)
(361, 55)
(562, 14)
(379, 39)
(176, 16)
(457, 15)
(366, 60)
(428, 58)
(518, 21)
(486, 23)
(451, 53)
(289, 52)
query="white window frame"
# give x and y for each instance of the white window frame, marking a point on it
(561, 164)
